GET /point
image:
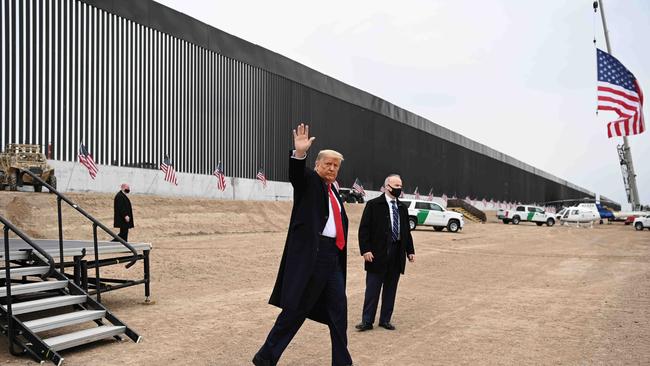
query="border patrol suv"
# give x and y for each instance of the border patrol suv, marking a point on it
(429, 213)
(527, 213)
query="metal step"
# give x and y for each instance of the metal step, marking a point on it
(44, 304)
(58, 321)
(83, 336)
(15, 255)
(28, 288)
(17, 272)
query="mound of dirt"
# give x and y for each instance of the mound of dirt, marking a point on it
(154, 217)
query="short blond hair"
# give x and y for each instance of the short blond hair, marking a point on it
(329, 154)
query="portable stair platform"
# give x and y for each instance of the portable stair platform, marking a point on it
(42, 312)
(467, 215)
(470, 212)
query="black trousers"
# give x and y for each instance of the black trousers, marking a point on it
(326, 284)
(374, 283)
(124, 234)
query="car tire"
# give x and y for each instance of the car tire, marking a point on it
(539, 223)
(506, 221)
(638, 226)
(38, 188)
(438, 228)
(453, 226)
(515, 220)
(413, 223)
(550, 222)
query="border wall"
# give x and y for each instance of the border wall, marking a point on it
(135, 80)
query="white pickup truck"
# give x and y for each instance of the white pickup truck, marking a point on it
(526, 213)
(642, 222)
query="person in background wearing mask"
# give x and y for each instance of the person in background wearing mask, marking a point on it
(123, 212)
(384, 241)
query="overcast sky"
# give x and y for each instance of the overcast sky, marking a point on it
(518, 76)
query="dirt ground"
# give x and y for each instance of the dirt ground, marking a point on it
(491, 294)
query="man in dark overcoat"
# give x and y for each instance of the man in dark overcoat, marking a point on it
(385, 242)
(311, 278)
(123, 212)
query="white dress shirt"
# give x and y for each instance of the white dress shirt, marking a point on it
(330, 227)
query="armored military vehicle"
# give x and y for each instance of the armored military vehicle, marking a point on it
(26, 157)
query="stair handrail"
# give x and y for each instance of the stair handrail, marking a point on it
(96, 223)
(467, 207)
(8, 226)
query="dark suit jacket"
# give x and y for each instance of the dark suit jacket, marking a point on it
(121, 208)
(308, 217)
(375, 234)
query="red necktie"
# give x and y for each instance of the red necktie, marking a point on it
(338, 222)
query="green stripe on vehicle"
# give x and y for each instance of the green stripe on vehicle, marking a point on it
(422, 216)
(530, 216)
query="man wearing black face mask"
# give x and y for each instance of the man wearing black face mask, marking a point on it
(123, 212)
(385, 242)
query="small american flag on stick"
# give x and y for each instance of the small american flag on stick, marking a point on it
(357, 186)
(86, 159)
(221, 177)
(261, 177)
(167, 168)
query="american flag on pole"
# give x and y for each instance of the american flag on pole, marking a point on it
(416, 193)
(357, 186)
(261, 177)
(167, 168)
(619, 91)
(86, 159)
(430, 195)
(221, 177)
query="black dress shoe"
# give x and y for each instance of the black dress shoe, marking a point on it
(362, 327)
(388, 326)
(259, 361)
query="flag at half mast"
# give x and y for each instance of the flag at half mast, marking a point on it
(619, 91)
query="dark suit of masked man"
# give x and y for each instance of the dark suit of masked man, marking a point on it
(385, 242)
(311, 278)
(123, 212)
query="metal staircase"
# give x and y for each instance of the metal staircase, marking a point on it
(465, 213)
(42, 312)
(470, 212)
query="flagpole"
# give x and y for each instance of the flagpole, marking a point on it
(155, 177)
(633, 195)
(74, 165)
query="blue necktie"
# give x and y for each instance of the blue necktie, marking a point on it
(395, 221)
